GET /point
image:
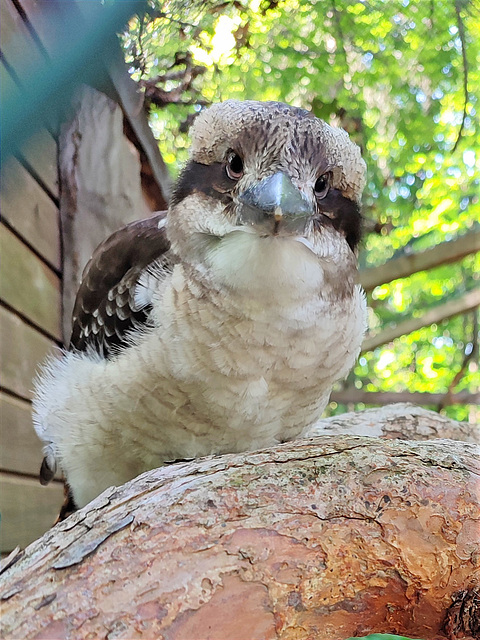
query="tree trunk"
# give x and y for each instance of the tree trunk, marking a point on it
(330, 537)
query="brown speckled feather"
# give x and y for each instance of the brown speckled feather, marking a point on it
(105, 309)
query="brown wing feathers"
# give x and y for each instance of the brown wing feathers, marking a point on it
(105, 309)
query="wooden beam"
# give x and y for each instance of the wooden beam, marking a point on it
(74, 52)
(355, 396)
(22, 51)
(467, 302)
(131, 101)
(10, 84)
(30, 212)
(28, 285)
(404, 266)
(46, 18)
(22, 349)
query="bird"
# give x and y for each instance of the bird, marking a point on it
(221, 325)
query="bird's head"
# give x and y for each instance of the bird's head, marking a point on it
(267, 171)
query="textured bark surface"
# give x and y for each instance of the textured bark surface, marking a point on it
(401, 420)
(324, 538)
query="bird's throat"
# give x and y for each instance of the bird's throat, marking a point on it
(275, 269)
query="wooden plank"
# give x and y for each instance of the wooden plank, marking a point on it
(25, 55)
(47, 18)
(22, 349)
(28, 209)
(18, 46)
(9, 83)
(41, 153)
(21, 449)
(27, 508)
(28, 285)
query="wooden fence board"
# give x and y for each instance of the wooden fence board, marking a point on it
(9, 84)
(18, 46)
(29, 210)
(22, 349)
(47, 18)
(25, 54)
(41, 153)
(353, 395)
(28, 285)
(27, 508)
(21, 449)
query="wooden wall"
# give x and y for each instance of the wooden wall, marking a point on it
(30, 301)
(43, 248)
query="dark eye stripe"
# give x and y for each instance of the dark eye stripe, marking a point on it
(209, 179)
(343, 214)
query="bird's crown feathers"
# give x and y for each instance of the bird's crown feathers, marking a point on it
(256, 124)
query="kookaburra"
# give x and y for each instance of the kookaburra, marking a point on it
(221, 325)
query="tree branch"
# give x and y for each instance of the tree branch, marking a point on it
(404, 266)
(468, 357)
(327, 538)
(461, 34)
(467, 302)
(352, 395)
(340, 37)
(403, 420)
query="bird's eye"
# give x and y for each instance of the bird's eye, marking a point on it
(234, 166)
(321, 186)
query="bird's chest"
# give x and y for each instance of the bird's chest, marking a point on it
(246, 380)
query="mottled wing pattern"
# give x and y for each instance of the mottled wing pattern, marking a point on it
(105, 308)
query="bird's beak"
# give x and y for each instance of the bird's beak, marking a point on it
(277, 204)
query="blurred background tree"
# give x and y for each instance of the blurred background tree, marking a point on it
(403, 78)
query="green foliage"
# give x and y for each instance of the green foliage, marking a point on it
(393, 74)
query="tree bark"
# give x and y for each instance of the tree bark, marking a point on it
(402, 420)
(329, 537)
